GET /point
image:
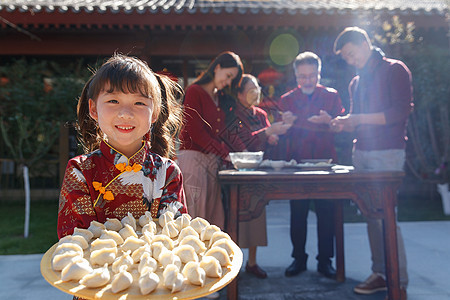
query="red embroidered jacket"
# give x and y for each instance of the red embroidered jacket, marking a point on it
(106, 184)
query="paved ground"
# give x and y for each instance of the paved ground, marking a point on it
(427, 246)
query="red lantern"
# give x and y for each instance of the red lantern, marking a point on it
(4, 81)
(172, 76)
(270, 76)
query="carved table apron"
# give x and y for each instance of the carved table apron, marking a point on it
(373, 192)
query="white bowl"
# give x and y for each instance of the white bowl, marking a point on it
(278, 164)
(246, 160)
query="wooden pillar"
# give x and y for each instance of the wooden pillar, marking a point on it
(63, 151)
(185, 73)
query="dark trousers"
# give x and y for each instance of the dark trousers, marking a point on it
(325, 228)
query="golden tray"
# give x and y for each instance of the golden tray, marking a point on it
(160, 293)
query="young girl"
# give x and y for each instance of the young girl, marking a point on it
(202, 145)
(255, 131)
(127, 117)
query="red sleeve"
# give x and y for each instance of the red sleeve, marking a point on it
(260, 135)
(75, 201)
(337, 109)
(196, 127)
(173, 191)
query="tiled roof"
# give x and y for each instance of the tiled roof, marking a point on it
(293, 7)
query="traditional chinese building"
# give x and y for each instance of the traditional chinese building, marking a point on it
(182, 36)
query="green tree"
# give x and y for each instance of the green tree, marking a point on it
(36, 97)
(429, 123)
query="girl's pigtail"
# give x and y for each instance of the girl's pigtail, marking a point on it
(168, 124)
(87, 128)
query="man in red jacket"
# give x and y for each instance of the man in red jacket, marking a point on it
(381, 96)
(312, 106)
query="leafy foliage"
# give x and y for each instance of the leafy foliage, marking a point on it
(429, 127)
(429, 124)
(36, 97)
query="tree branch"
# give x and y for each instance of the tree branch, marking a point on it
(32, 36)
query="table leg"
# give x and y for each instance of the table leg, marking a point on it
(339, 232)
(233, 231)
(390, 246)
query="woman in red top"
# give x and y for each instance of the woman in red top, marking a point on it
(202, 138)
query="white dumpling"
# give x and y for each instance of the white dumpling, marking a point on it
(148, 282)
(147, 262)
(225, 244)
(172, 278)
(96, 228)
(130, 220)
(170, 229)
(103, 243)
(103, 256)
(75, 239)
(132, 243)
(66, 247)
(167, 242)
(76, 270)
(137, 254)
(165, 217)
(183, 221)
(127, 231)
(220, 254)
(186, 232)
(113, 224)
(195, 242)
(198, 224)
(145, 218)
(87, 234)
(121, 280)
(147, 237)
(187, 216)
(186, 253)
(218, 236)
(124, 261)
(208, 231)
(150, 228)
(167, 257)
(109, 234)
(61, 260)
(97, 278)
(194, 274)
(211, 266)
(157, 248)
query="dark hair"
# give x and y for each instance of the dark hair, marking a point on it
(132, 75)
(225, 59)
(308, 58)
(354, 35)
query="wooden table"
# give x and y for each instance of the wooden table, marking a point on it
(373, 192)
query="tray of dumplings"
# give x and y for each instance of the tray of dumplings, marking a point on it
(143, 258)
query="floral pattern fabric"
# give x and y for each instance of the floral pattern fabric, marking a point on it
(106, 184)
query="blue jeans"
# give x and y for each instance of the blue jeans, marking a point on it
(382, 160)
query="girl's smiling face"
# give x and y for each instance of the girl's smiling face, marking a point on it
(124, 118)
